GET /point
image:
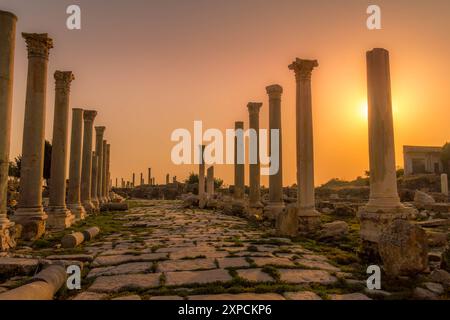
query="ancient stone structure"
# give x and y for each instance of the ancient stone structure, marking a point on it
(100, 131)
(7, 47)
(255, 175)
(149, 178)
(308, 216)
(134, 180)
(74, 192)
(384, 203)
(276, 204)
(201, 173)
(86, 169)
(167, 178)
(239, 166)
(419, 160)
(210, 181)
(105, 180)
(59, 216)
(444, 184)
(108, 172)
(30, 213)
(94, 181)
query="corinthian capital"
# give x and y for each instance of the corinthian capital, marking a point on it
(274, 91)
(89, 115)
(38, 44)
(253, 107)
(303, 68)
(63, 79)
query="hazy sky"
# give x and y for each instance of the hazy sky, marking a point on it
(152, 66)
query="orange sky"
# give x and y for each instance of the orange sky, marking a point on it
(150, 67)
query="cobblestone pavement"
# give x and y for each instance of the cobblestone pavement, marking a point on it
(159, 251)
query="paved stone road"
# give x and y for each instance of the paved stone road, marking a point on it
(175, 253)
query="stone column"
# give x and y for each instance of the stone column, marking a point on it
(167, 178)
(134, 180)
(107, 182)
(444, 184)
(86, 169)
(104, 177)
(94, 181)
(239, 168)
(309, 218)
(59, 216)
(149, 179)
(210, 181)
(201, 173)
(76, 146)
(99, 132)
(7, 48)
(108, 171)
(384, 203)
(255, 195)
(30, 213)
(276, 204)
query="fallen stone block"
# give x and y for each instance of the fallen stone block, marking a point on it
(115, 206)
(403, 248)
(43, 286)
(334, 230)
(287, 222)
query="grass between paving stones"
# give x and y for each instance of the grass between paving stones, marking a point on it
(105, 221)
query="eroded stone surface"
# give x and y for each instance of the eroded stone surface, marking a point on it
(306, 276)
(201, 277)
(110, 284)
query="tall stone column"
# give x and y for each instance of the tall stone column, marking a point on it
(134, 180)
(384, 203)
(276, 204)
(30, 213)
(201, 173)
(255, 174)
(108, 173)
(104, 177)
(210, 181)
(59, 216)
(94, 181)
(149, 179)
(167, 178)
(86, 168)
(444, 184)
(99, 132)
(239, 166)
(74, 194)
(309, 218)
(7, 48)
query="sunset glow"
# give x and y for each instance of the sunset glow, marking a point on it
(171, 63)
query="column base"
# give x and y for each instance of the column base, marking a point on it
(7, 235)
(78, 211)
(32, 220)
(273, 209)
(89, 207)
(308, 220)
(96, 205)
(374, 219)
(59, 218)
(256, 204)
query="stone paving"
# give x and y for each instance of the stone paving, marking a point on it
(197, 254)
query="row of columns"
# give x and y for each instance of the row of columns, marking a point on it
(307, 214)
(85, 166)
